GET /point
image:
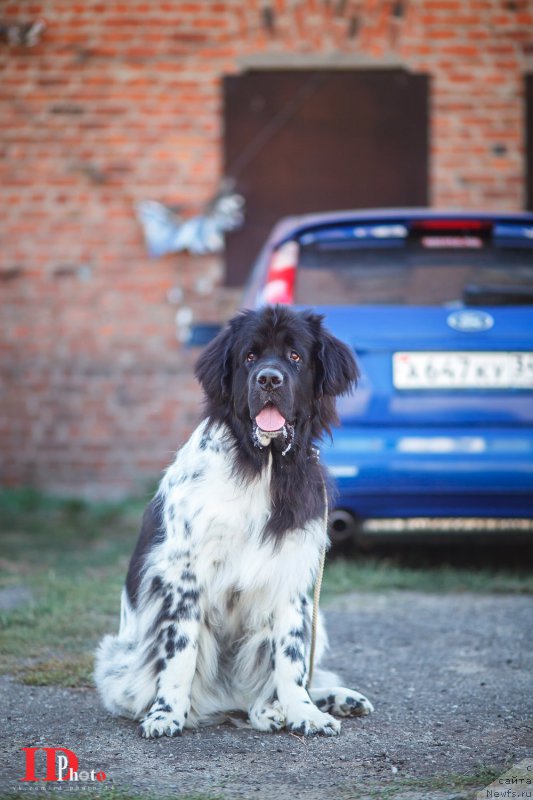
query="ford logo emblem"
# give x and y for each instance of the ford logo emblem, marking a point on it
(470, 321)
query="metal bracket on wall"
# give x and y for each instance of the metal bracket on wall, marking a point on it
(25, 34)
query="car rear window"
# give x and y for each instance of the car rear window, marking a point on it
(437, 270)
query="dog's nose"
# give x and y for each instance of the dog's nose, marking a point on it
(269, 378)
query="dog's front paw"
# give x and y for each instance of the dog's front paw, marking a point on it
(307, 720)
(353, 704)
(160, 723)
(267, 717)
(343, 702)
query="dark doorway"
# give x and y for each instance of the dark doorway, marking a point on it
(299, 141)
(529, 142)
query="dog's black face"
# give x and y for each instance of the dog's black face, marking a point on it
(273, 374)
(272, 377)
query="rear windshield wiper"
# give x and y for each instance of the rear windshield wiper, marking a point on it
(474, 295)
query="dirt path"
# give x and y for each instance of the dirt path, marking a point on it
(449, 676)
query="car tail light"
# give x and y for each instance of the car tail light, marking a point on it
(281, 275)
(449, 234)
(451, 225)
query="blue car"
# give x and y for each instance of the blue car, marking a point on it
(438, 307)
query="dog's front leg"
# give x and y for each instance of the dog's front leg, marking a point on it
(174, 652)
(290, 673)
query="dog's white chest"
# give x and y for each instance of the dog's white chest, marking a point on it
(216, 523)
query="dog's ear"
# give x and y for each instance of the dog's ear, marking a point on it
(213, 368)
(336, 370)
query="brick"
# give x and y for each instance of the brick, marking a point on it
(121, 101)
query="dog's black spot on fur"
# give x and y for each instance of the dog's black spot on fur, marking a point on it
(331, 700)
(171, 631)
(190, 596)
(187, 607)
(166, 614)
(156, 585)
(152, 534)
(170, 648)
(297, 633)
(273, 658)
(298, 729)
(197, 475)
(160, 665)
(181, 643)
(188, 576)
(293, 653)
(351, 701)
(187, 528)
(321, 703)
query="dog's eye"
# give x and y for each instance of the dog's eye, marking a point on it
(251, 357)
(294, 356)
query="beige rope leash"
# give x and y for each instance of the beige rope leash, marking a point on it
(316, 596)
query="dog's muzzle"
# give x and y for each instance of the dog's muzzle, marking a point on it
(269, 422)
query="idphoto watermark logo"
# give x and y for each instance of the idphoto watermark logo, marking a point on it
(515, 784)
(57, 765)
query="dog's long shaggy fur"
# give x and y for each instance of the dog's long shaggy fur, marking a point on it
(215, 614)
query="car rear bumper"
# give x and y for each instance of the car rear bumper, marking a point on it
(384, 472)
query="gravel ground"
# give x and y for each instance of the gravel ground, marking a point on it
(449, 677)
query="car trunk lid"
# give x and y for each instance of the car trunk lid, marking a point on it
(437, 366)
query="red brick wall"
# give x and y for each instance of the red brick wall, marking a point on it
(121, 101)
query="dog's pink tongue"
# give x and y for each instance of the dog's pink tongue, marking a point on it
(269, 419)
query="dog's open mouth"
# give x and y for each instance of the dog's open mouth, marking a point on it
(269, 425)
(269, 419)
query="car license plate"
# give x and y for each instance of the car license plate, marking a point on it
(469, 370)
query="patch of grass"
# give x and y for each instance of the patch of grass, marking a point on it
(70, 559)
(74, 672)
(73, 558)
(370, 574)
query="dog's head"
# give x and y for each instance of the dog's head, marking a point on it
(276, 372)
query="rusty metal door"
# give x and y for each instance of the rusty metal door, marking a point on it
(529, 142)
(299, 141)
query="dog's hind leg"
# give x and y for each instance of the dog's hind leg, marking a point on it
(122, 674)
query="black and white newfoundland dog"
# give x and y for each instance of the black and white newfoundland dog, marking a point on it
(215, 614)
